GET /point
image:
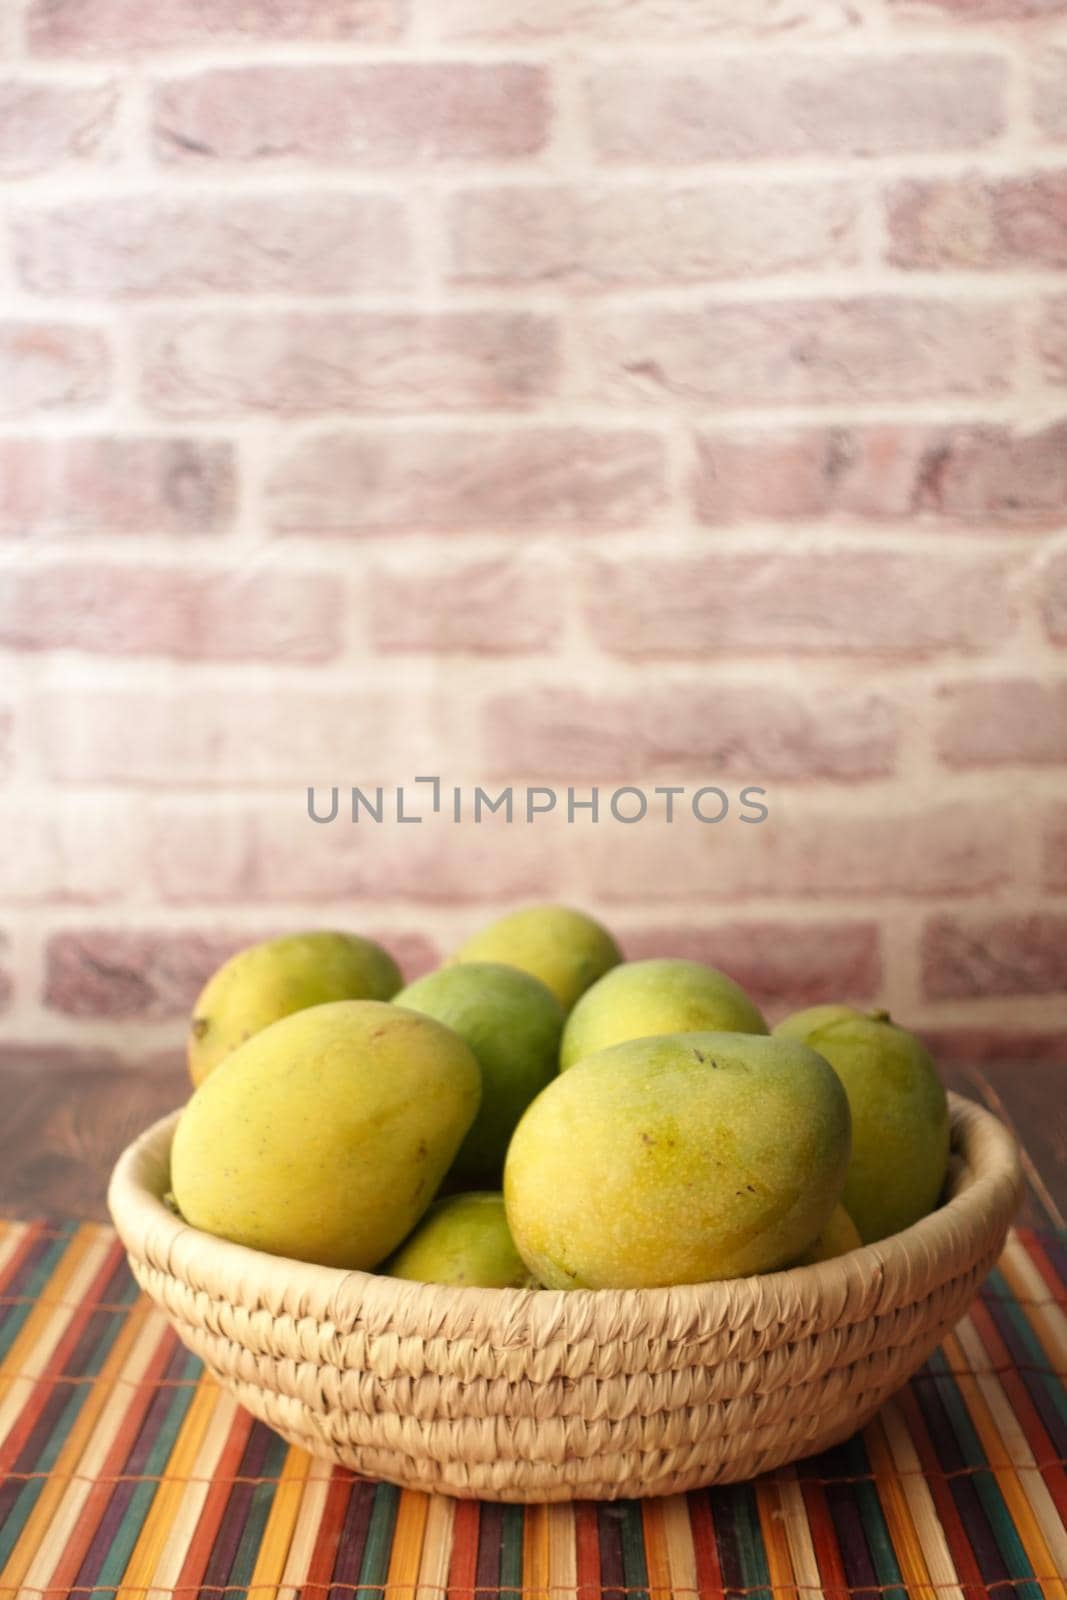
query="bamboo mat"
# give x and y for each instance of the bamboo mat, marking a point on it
(125, 1472)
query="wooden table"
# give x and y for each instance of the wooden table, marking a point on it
(62, 1129)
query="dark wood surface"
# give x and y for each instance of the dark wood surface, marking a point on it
(61, 1128)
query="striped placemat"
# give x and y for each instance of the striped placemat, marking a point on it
(124, 1471)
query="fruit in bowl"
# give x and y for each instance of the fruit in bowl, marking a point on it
(900, 1122)
(512, 1023)
(642, 998)
(331, 1136)
(566, 949)
(463, 1239)
(276, 977)
(837, 1238)
(677, 1159)
(326, 1136)
(623, 1124)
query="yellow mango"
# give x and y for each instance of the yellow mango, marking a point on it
(677, 1159)
(326, 1136)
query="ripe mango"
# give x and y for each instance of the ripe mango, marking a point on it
(512, 1022)
(463, 1239)
(900, 1120)
(566, 949)
(677, 1159)
(273, 979)
(325, 1137)
(642, 998)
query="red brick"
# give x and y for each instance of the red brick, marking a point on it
(868, 472)
(1055, 848)
(987, 475)
(980, 222)
(225, 615)
(515, 21)
(1054, 599)
(237, 737)
(780, 964)
(46, 125)
(46, 366)
(1050, 75)
(801, 352)
(963, 1045)
(120, 484)
(311, 243)
(299, 363)
(438, 481)
(983, 10)
(608, 235)
(436, 862)
(746, 731)
(968, 957)
(796, 105)
(1054, 852)
(272, 853)
(998, 723)
(1052, 340)
(974, 474)
(120, 27)
(201, 853)
(856, 602)
(125, 974)
(804, 851)
(89, 852)
(364, 116)
(493, 607)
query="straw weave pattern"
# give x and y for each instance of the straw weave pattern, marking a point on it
(534, 1395)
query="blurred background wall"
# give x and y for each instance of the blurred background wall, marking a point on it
(635, 392)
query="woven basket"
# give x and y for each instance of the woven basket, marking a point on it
(518, 1394)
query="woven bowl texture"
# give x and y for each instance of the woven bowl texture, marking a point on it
(537, 1395)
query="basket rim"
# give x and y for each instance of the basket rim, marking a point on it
(985, 1188)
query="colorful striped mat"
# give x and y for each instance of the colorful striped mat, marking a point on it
(124, 1471)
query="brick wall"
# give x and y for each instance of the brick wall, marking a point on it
(581, 392)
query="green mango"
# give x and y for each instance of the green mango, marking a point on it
(566, 949)
(802, 1024)
(463, 1239)
(325, 1137)
(642, 998)
(273, 979)
(900, 1119)
(512, 1022)
(677, 1159)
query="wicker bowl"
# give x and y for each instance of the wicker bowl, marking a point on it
(517, 1394)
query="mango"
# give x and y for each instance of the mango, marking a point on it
(642, 998)
(463, 1239)
(802, 1024)
(566, 949)
(326, 1135)
(273, 979)
(677, 1159)
(900, 1120)
(838, 1237)
(513, 1023)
